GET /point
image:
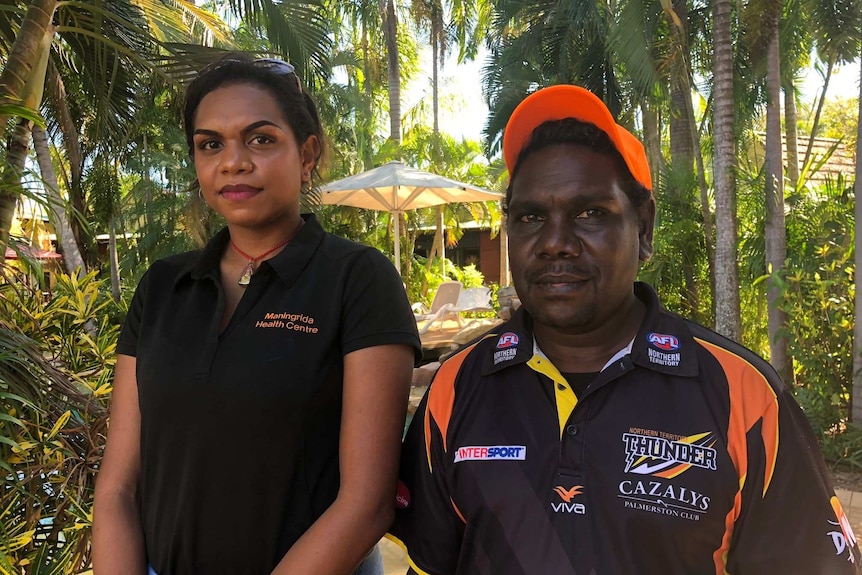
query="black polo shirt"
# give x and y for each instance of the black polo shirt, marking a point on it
(685, 455)
(239, 430)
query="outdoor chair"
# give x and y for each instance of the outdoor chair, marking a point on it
(474, 300)
(442, 306)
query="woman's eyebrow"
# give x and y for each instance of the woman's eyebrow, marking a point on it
(251, 127)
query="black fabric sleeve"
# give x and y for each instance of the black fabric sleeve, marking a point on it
(127, 343)
(791, 523)
(375, 309)
(428, 527)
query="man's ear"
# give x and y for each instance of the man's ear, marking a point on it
(646, 219)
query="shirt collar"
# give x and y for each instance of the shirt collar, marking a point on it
(287, 264)
(663, 343)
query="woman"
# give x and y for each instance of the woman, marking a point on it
(261, 383)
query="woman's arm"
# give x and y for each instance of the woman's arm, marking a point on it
(118, 542)
(376, 385)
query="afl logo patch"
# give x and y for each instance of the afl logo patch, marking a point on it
(508, 339)
(664, 342)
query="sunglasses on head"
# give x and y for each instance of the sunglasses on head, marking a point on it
(279, 67)
(274, 65)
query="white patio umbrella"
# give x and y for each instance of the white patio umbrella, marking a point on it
(397, 188)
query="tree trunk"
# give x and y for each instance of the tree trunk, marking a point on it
(727, 314)
(652, 140)
(56, 92)
(792, 135)
(366, 151)
(435, 56)
(705, 210)
(681, 149)
(856, 396)
(390, 25)
(72, 258)
(504, 255)
(24, 53)
(112, 253)
(816, 124)
(776, 236)
(10, 181)
(27, 51)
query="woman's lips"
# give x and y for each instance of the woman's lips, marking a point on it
(238, 192)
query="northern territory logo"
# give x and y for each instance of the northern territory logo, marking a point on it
(507, 347)
(668, 458)
(566, 505)
(666, 349)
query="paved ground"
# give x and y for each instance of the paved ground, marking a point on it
(851, 501)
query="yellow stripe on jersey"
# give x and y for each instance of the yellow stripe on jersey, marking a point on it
(565, 397)
(406, 553)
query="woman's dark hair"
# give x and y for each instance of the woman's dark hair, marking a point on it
(572, 131)
(274, 76)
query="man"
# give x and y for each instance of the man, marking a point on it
(595, 432)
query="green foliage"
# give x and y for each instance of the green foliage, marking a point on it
(817, 293)
(469, 276)
(839, 119)
(56, 364)
(678, 269)
(844, 448)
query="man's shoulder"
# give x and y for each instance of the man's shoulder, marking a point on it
(729, 351)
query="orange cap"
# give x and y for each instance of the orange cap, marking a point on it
(566, 101)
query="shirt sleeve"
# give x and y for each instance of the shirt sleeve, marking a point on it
(375, 310)
(127, 343)
(790, 519)
(427, 524)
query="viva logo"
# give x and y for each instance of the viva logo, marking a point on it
(566, 505)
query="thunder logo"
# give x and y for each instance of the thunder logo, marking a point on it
(661, 457)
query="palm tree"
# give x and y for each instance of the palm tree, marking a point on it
(353, 108)
(536, 43)
(727, 311)
(390, 32)
(837, 33)
(110, 42)
(776, 234)
(72, 258)
(118, 43)
(856, 399)
(463, 24)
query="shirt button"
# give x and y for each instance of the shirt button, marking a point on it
(572, 430)
(561, 387)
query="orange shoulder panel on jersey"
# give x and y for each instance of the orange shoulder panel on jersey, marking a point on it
(752, 399)
(441, 397)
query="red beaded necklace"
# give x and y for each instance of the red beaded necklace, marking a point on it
(248, 270)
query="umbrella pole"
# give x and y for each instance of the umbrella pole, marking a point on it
(442, 248)
(397, 232)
